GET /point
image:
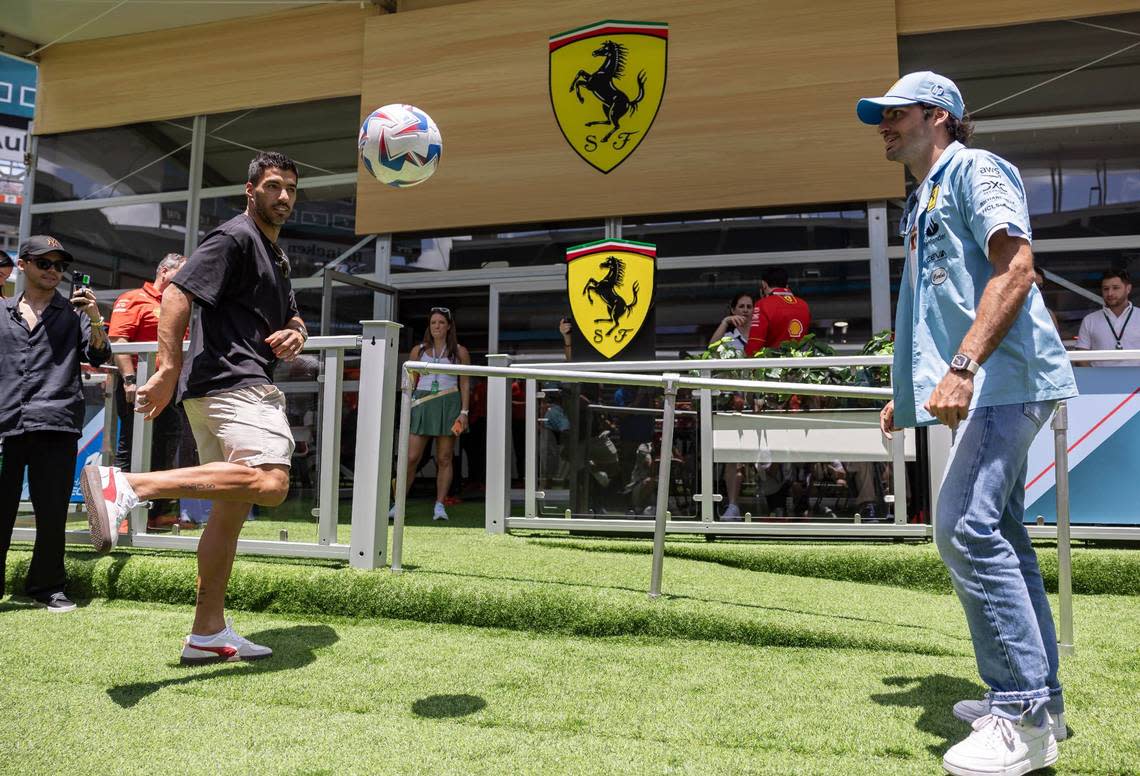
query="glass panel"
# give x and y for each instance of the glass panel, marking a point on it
(319, 136)
(135, 159)
(993, 64)
(319, 230)
(523, 247)
(350, 306)
(1079, 181)
(599, 450)
(120, 247)
(840, 226)
(469, 311)
(691, 303)
(528, 324)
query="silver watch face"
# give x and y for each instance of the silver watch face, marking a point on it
(959, 362)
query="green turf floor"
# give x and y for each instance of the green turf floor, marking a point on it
(99, 691)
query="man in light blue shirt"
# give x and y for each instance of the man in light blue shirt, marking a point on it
(975, 349)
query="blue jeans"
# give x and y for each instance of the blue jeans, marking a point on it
(982, 539)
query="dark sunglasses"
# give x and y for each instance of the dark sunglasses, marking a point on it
(444, 310)
(282, 260)
(44, 265)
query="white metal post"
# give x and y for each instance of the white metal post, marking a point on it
(498, 504)
(663, 475)
(530, 457)
(143, 433)
(372, 468)
(402, 472)
(880, 266)
(328, 495)
(708, 468)
(1064, 556)
(898, 473)
(194, 192)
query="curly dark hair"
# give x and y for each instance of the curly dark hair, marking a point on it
(959, 129)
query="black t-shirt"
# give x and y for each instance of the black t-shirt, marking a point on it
(241, 296)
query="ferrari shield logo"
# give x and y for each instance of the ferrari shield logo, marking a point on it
(610, 284)
(606, 84)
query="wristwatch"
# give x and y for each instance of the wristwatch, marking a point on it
(129, 379)
(961, 362)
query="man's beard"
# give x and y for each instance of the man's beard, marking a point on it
(269, 215)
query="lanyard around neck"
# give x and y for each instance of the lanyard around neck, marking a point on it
(1123, 326)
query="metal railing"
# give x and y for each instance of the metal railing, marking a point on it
(498, 414)
(373, 454)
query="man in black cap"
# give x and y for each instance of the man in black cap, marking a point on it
(43, 337)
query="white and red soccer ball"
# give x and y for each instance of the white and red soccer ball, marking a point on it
(400, 145)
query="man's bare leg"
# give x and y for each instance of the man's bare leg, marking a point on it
(216, 550)
(230, 482)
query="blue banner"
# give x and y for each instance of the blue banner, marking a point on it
(17, 87)
(1104, 448)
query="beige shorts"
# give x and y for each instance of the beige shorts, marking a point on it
(246, 426)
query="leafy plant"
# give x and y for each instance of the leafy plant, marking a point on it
(881, 343)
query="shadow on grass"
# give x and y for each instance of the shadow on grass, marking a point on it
(292, 648)
(936, 696)
(447, 706)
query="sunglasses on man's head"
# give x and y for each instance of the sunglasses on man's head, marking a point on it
(44, 265)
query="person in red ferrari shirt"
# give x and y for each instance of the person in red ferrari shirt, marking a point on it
(778, 317)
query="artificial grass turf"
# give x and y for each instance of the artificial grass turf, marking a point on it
(565, 586)
(99, 691)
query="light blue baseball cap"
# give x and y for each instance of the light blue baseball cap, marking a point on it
(924, 86)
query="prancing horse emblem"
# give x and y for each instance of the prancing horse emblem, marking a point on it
(606, 82)
(606, 289)
(615, 102)
(610, 285)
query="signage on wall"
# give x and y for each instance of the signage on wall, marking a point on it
(17, 87)
(610, 285)
(13, 144)
(607, 81)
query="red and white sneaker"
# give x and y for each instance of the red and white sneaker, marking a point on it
(109, 500)
(224, 647)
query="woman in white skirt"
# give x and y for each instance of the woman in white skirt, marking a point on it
(439, 404)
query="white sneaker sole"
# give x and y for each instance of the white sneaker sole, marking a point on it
(1043, 760)
(96, 506)
(209, 659)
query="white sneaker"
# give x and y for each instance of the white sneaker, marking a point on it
(109, 500)
(969, 711)
(731, 514)
(392, 513)
(439, 513)
(224, 647)
(998, 747)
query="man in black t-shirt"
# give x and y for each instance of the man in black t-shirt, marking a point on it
(244, 319)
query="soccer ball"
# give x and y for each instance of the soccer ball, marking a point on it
(400, 145)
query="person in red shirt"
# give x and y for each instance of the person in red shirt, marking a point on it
(134, 318)
(778, 317)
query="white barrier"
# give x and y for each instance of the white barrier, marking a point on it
(373, 462)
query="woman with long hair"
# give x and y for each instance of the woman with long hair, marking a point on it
(733, 329)
(439, 404)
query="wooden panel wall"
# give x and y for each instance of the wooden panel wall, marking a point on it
(308, 54)
(759, 110)
(917, 16)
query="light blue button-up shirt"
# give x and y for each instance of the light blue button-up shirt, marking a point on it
(968, 195)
